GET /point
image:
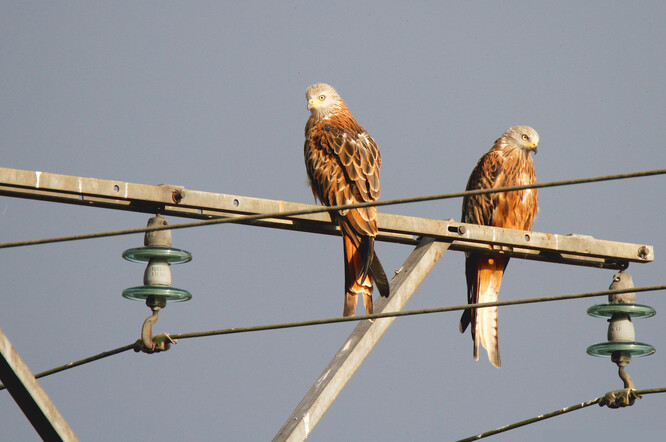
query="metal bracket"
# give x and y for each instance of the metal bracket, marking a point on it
(619, 398)
(627, 396)
(149, 343)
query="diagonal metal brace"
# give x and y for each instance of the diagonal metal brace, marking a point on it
(30, 396)
(360, 343)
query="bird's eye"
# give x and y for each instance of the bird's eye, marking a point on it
(525, 137)
(322, 97)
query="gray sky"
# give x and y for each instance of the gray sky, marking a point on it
(210, 96)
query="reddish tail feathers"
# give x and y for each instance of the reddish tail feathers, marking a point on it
(485, 278)
(362, 269)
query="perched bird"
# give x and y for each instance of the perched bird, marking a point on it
(508, 163)
(342, 162)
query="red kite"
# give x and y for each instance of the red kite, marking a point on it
(508, 163)
(342, 162)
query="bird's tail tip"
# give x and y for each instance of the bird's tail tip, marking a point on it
(379, 276)
(465, 319)
(351, 300)
(349, 308)
(367, 301)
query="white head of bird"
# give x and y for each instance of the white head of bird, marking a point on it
(323, 100)
(523, 137)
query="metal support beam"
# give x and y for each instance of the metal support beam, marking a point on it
(360, 343)
(178, 201)
(433, 237)
(29, 395)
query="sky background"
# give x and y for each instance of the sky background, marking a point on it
(210, 96)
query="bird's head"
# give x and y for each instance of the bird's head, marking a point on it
(523, 137)
(322, 100)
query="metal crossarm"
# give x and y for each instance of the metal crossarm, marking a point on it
(178, 201)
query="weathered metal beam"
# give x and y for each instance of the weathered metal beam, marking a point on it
(178, 201)
(360, 343)
(30, 397)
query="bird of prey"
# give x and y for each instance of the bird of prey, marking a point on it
(508, 163)
(342, 162)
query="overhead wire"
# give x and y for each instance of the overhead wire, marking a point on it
(246, 218)
(256, 217)
(256, 328)
(553, 414)
(423, 311)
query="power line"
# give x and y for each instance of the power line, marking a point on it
(651, 391)
(553, 414)
(336, 320)
(97, 357)
(424, 311)
(533, 420)
(255, 217)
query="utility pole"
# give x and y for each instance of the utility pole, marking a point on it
(431, 238)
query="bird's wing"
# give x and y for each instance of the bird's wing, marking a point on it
(488, 173)
(359, 161)
(483, 273)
